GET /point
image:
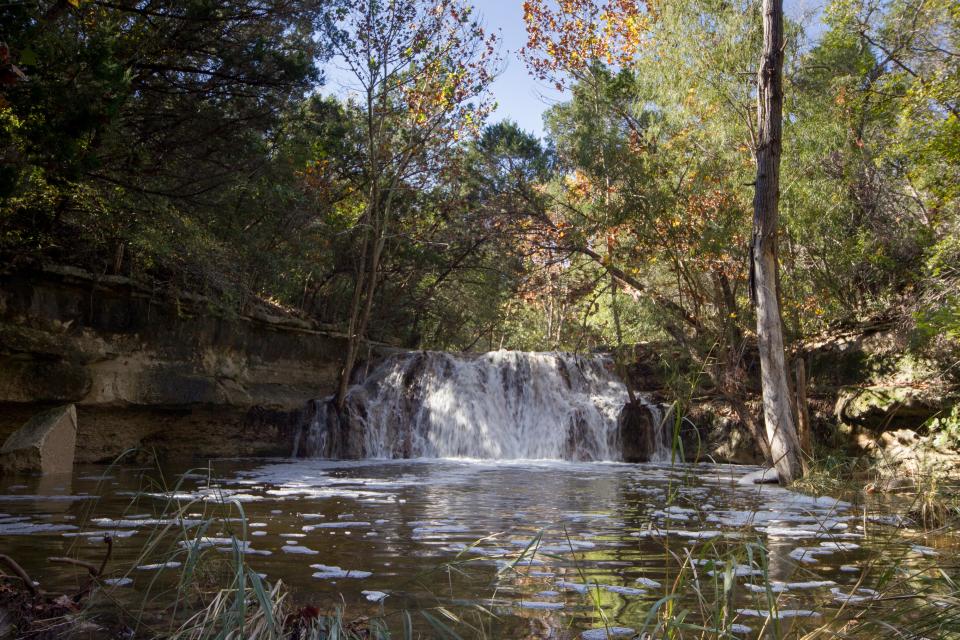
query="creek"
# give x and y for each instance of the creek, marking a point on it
(488, 523)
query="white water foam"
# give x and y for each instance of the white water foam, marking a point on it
(502, 405)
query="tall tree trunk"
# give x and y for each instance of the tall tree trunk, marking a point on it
(804, 432)
(353, 329)
(777, 399)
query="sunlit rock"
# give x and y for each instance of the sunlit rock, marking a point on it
(761, 476)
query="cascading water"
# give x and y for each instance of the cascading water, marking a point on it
(497, 405)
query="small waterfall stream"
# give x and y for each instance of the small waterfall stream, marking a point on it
(497, 405)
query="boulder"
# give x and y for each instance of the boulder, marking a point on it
(45, 444)
(903, 453)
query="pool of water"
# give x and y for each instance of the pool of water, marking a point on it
(520, 549)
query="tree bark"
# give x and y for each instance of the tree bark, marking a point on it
(777, 401)
(804, 433)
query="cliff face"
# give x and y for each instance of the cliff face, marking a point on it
(148, 371)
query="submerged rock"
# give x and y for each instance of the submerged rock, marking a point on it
(45, 444)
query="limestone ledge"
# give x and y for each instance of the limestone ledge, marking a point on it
(173, 374)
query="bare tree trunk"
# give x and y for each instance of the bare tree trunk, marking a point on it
(777, 404)
(366, 288)
(803, 415)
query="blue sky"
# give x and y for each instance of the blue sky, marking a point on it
(521, 97)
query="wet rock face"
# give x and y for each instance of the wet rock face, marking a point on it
(44, 445)
(636, 431)
(713, 431)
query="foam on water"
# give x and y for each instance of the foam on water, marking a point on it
(118, 582)
(603, 633)
(173, 564)
(780, 614)
(327, 572)
(296, 548)
(538, 531)
(858, 595)
(533, 604)
(24, 527)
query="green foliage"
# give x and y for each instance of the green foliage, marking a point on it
(225, 173)
(938, 316)
(946, 428)
(143, 139)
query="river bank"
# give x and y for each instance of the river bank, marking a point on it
(181, 376)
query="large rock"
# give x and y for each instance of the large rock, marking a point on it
(636, 431)
(44, 445)
(712, 431)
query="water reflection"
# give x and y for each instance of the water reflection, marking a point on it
(546, 546)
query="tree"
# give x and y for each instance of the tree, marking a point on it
(764, 281)
(701, 92)
(418, 67)
(146, 136)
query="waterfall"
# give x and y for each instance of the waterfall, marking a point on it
(497, 405)
(661, 439)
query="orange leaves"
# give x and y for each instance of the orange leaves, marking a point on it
(446, 75)
(566, 36)
(578, 185)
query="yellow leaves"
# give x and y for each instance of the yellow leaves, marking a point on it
(578, 184)
(567, 35)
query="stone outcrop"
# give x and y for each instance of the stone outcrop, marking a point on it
(902, 454)
(45, 444)
(883, 408)
(172, 374)
(863, 381)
